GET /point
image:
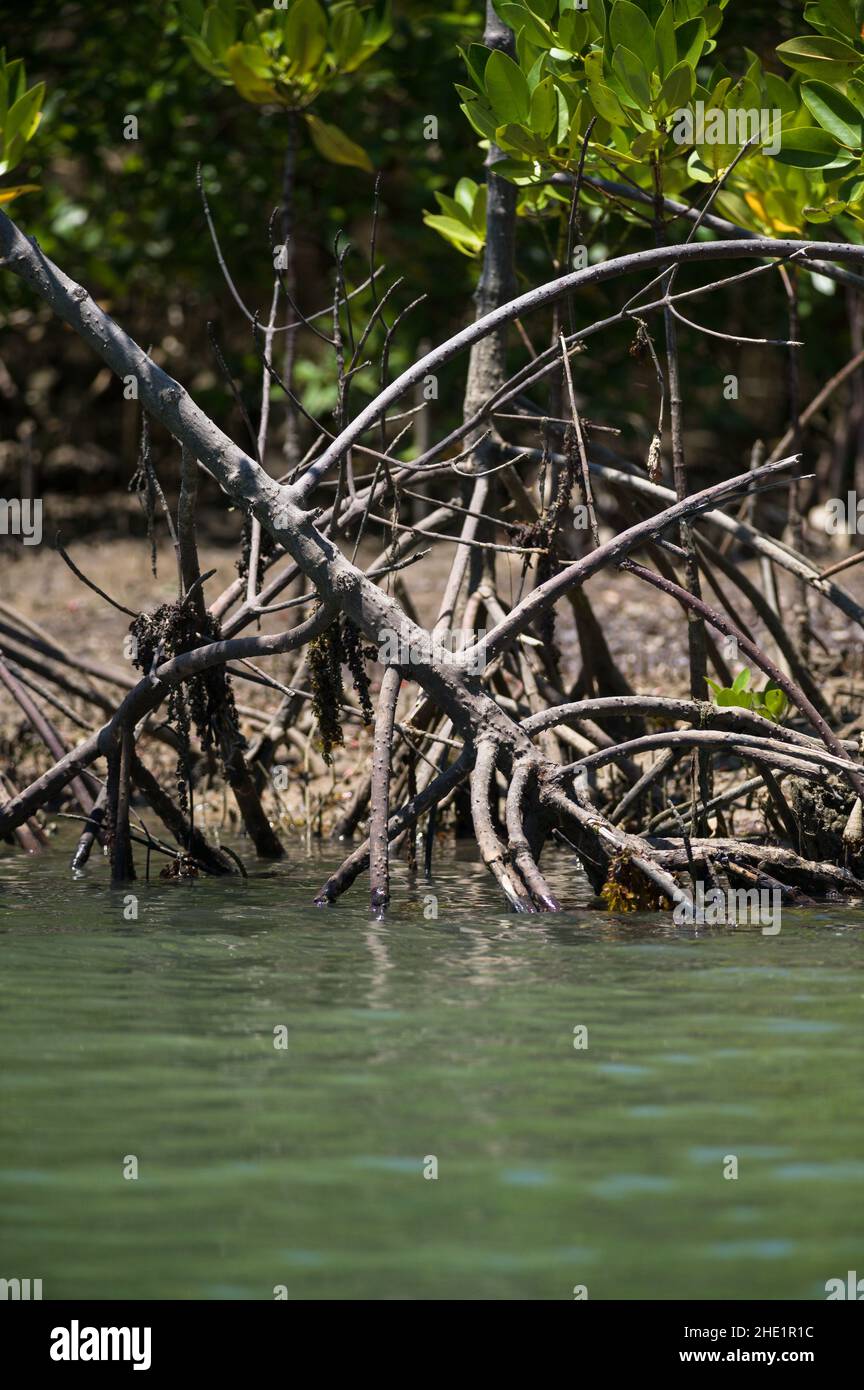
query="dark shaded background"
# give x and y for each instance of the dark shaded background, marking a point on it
(125, 218)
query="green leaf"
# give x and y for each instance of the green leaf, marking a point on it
(516, 170)
(192, 12)
(379, 25)
(664, 42)
(700, 173)
(518, 17)
(574, 28)
(775, 701)
(574, 135)
(713, 17)
(464, 194)
(677, 90)
(607, 105)
(9, 83)
(451, 208)
(218, 31)
(463, 238)
(822, 214)
(645, 143)
(781, 94)
(593, 64)
(544, 108)
(475, 57)
(742, 680)
(335, 145)
(481, 118)
(258, 60)
(513, 136)
(839, 15)
(834, 112)
(687, 9)
(691, 38)
(507, 89)
(242, 60)
(202, 55)
(818, 56)
(561, 129)
(16, 81)
(305, 33)
(597, 12)
(23, 118)
(536, 72)
(630, 28)
(740, 699)
(346, 34)
(807, 147)
(632, 75)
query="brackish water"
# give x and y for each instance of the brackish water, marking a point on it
(449, 1038)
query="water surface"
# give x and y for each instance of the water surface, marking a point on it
(424, 1038)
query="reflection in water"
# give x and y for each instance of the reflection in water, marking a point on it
(376, 943)
(451, 1038)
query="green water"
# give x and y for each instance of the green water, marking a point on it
(449, 1038)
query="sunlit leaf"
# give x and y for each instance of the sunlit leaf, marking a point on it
(250, 85)
(335, 145)
(834, 112)
(507, 89)
(630, 28)
(819, 56)
(632, 75)
(808, 147)
(7, 194)
(305, 36)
